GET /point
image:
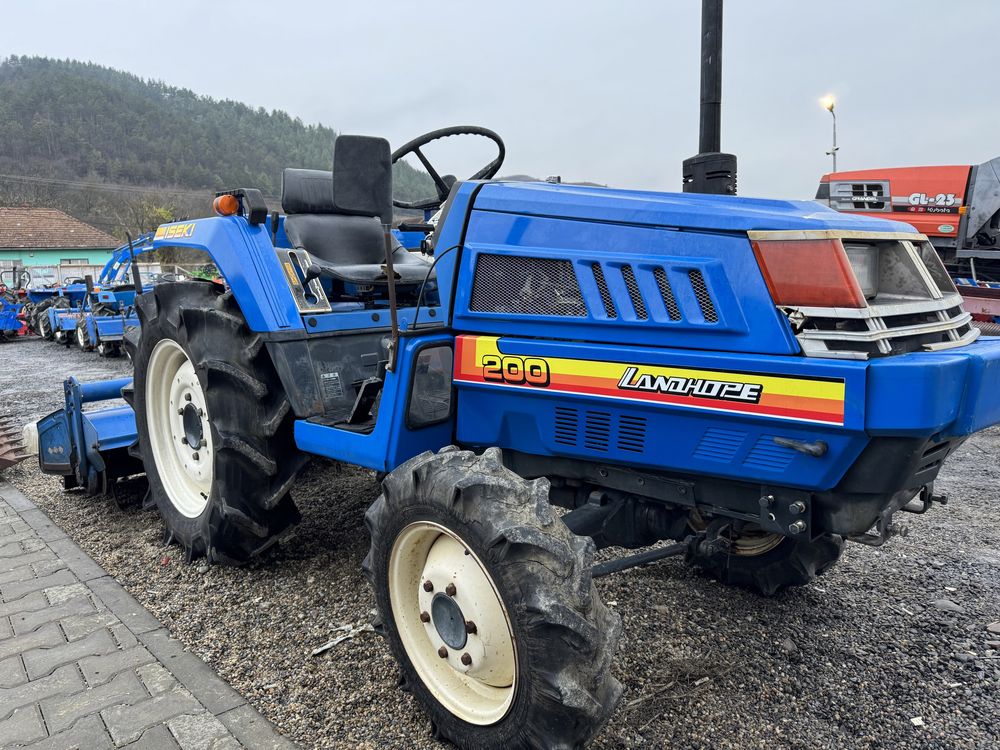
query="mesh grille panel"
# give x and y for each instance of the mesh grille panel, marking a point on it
(602, 287)
(526, 286)
(704, 298)
(667, 293)
(633, 292)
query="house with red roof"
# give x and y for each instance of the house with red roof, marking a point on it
(49, 237)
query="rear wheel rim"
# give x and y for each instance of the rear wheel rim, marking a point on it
(174, 396)
(80, 338)
(458, 634)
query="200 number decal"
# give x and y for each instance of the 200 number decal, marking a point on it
(516, 370)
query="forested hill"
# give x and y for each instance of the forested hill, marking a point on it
(79, 121)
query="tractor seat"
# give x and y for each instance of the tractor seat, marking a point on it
(338, 217)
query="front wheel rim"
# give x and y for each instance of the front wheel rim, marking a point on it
(452, 622)
(179, 432)
(752, 541)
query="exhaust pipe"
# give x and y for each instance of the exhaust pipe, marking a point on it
(711, 171)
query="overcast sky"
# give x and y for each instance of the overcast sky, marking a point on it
(602, 91)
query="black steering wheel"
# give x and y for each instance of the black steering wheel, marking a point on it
(442, 184)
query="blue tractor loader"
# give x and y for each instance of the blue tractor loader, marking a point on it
(755, 382)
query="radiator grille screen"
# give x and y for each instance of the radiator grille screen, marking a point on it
(667, 294)
(602, 287)
(633, 293)
(704, 298)
(526, 286)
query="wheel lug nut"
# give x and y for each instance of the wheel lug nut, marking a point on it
(450, 589)
(180, 412)
(184, 441)
(470, 627)
(424, 617)
(428, 586)
(466, 660)
(195, 456)
(443, 652)
(187, 396)
(201, 412)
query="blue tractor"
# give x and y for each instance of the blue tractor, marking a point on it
(12, 302)
(108, 310)
(755, 382)
(47, 292)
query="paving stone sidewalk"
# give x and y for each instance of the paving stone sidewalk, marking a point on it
(84, 665)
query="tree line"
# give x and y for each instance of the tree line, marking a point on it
(91, 126)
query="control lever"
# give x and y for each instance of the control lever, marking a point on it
(318, 268)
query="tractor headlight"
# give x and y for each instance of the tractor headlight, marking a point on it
(864, 263)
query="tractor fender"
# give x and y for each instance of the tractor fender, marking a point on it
(245, 257)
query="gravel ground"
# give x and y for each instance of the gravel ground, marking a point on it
(846, 662)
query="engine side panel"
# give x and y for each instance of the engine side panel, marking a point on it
(733, 416)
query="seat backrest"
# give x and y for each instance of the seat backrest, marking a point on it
(338, 216)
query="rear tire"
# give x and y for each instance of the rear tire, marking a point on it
(538, 671)
(201, 373)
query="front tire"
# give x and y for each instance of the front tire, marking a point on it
(214, 426)
(488, 604)
(766, 562)
(83, 342)
(44, 325)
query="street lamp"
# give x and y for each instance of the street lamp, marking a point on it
(828, 103)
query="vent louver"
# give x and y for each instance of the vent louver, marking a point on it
(602, 287)
(667, 293)
(633, 293)
(704, 298)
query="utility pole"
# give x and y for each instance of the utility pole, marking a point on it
(711, 171)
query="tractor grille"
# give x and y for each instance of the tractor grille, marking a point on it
(667, 294)
(934, 456)
(597, 430)
(631, 433)
(704, 298)
(633, 293)
(915, 307)
(602, 288)
(603, 291)
(527, 286)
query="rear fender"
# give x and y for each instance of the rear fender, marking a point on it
(245, 256)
